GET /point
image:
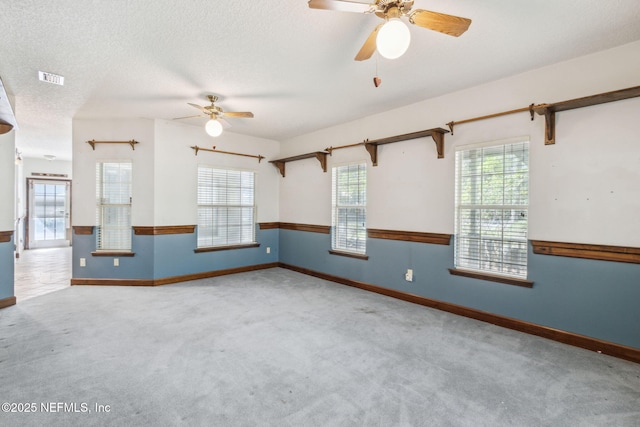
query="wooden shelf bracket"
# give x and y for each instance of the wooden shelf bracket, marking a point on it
(132, 143)
(196, 148)
(372, 149)
(280, 165)
(321, 156)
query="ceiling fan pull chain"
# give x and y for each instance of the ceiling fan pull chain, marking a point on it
(376, 79)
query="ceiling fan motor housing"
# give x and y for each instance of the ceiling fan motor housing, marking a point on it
(214, 109)
(387, 9)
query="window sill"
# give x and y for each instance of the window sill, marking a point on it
(226, 248)
(349, 254)
(492, 278)
(113, 253)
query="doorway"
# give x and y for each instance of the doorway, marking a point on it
(45, 265)
(48, 222)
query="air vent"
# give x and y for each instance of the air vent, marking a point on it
(51, 78)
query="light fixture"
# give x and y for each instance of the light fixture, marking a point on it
(18, 157)
(213, 127)
(393, 39)
(49, 157)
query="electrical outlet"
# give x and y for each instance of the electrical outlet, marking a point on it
(268, 250)
(408, 276)
(83, 262)
(116, 262)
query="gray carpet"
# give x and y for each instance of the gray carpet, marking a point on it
(278, 348)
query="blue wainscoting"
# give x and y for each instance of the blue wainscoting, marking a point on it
(598, 299)
(139, 266)
(174, 254)
(168, 255)
(6, 269)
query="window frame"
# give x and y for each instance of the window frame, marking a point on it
(124, 243)
(336, 230)
(508, 265)
(211, 244)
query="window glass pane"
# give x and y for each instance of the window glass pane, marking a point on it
(492, 196)
(516, 188)
(349, 200)
(226, 207)
(113, 212)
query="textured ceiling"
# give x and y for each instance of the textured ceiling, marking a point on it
(290, 65)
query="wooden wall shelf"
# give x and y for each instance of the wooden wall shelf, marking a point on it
(436, 133)
(549, 110)
(93, 143)
(372, 146)
(196, 148)
(320, 155)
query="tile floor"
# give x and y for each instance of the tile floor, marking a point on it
(40, 271)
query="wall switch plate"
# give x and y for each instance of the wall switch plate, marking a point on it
(83, 262)
(116, 262)
(268, 250)
(408, 276)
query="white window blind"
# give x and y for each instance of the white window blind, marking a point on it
(113, 213)
(349, 208)
(492, 199)
(226, 207)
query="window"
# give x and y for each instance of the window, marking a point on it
(349, 208)
(492, 198)
(226, 207)
(113, 213)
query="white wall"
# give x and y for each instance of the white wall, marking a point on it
(176, 169)
(583, 189)
(85, 159)
(165, 168)
(32, 165)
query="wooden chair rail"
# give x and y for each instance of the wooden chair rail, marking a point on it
(587, 251)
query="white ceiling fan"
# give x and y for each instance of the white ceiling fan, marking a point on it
(392, 37)
(216, 115)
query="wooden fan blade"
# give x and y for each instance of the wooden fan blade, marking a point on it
(340, 5)
(447, 24)
(204, 110)
(244, 114)
(369, 46)
(188, 117)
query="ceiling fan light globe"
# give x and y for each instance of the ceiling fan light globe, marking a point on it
(393, 39)
(213, 127)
